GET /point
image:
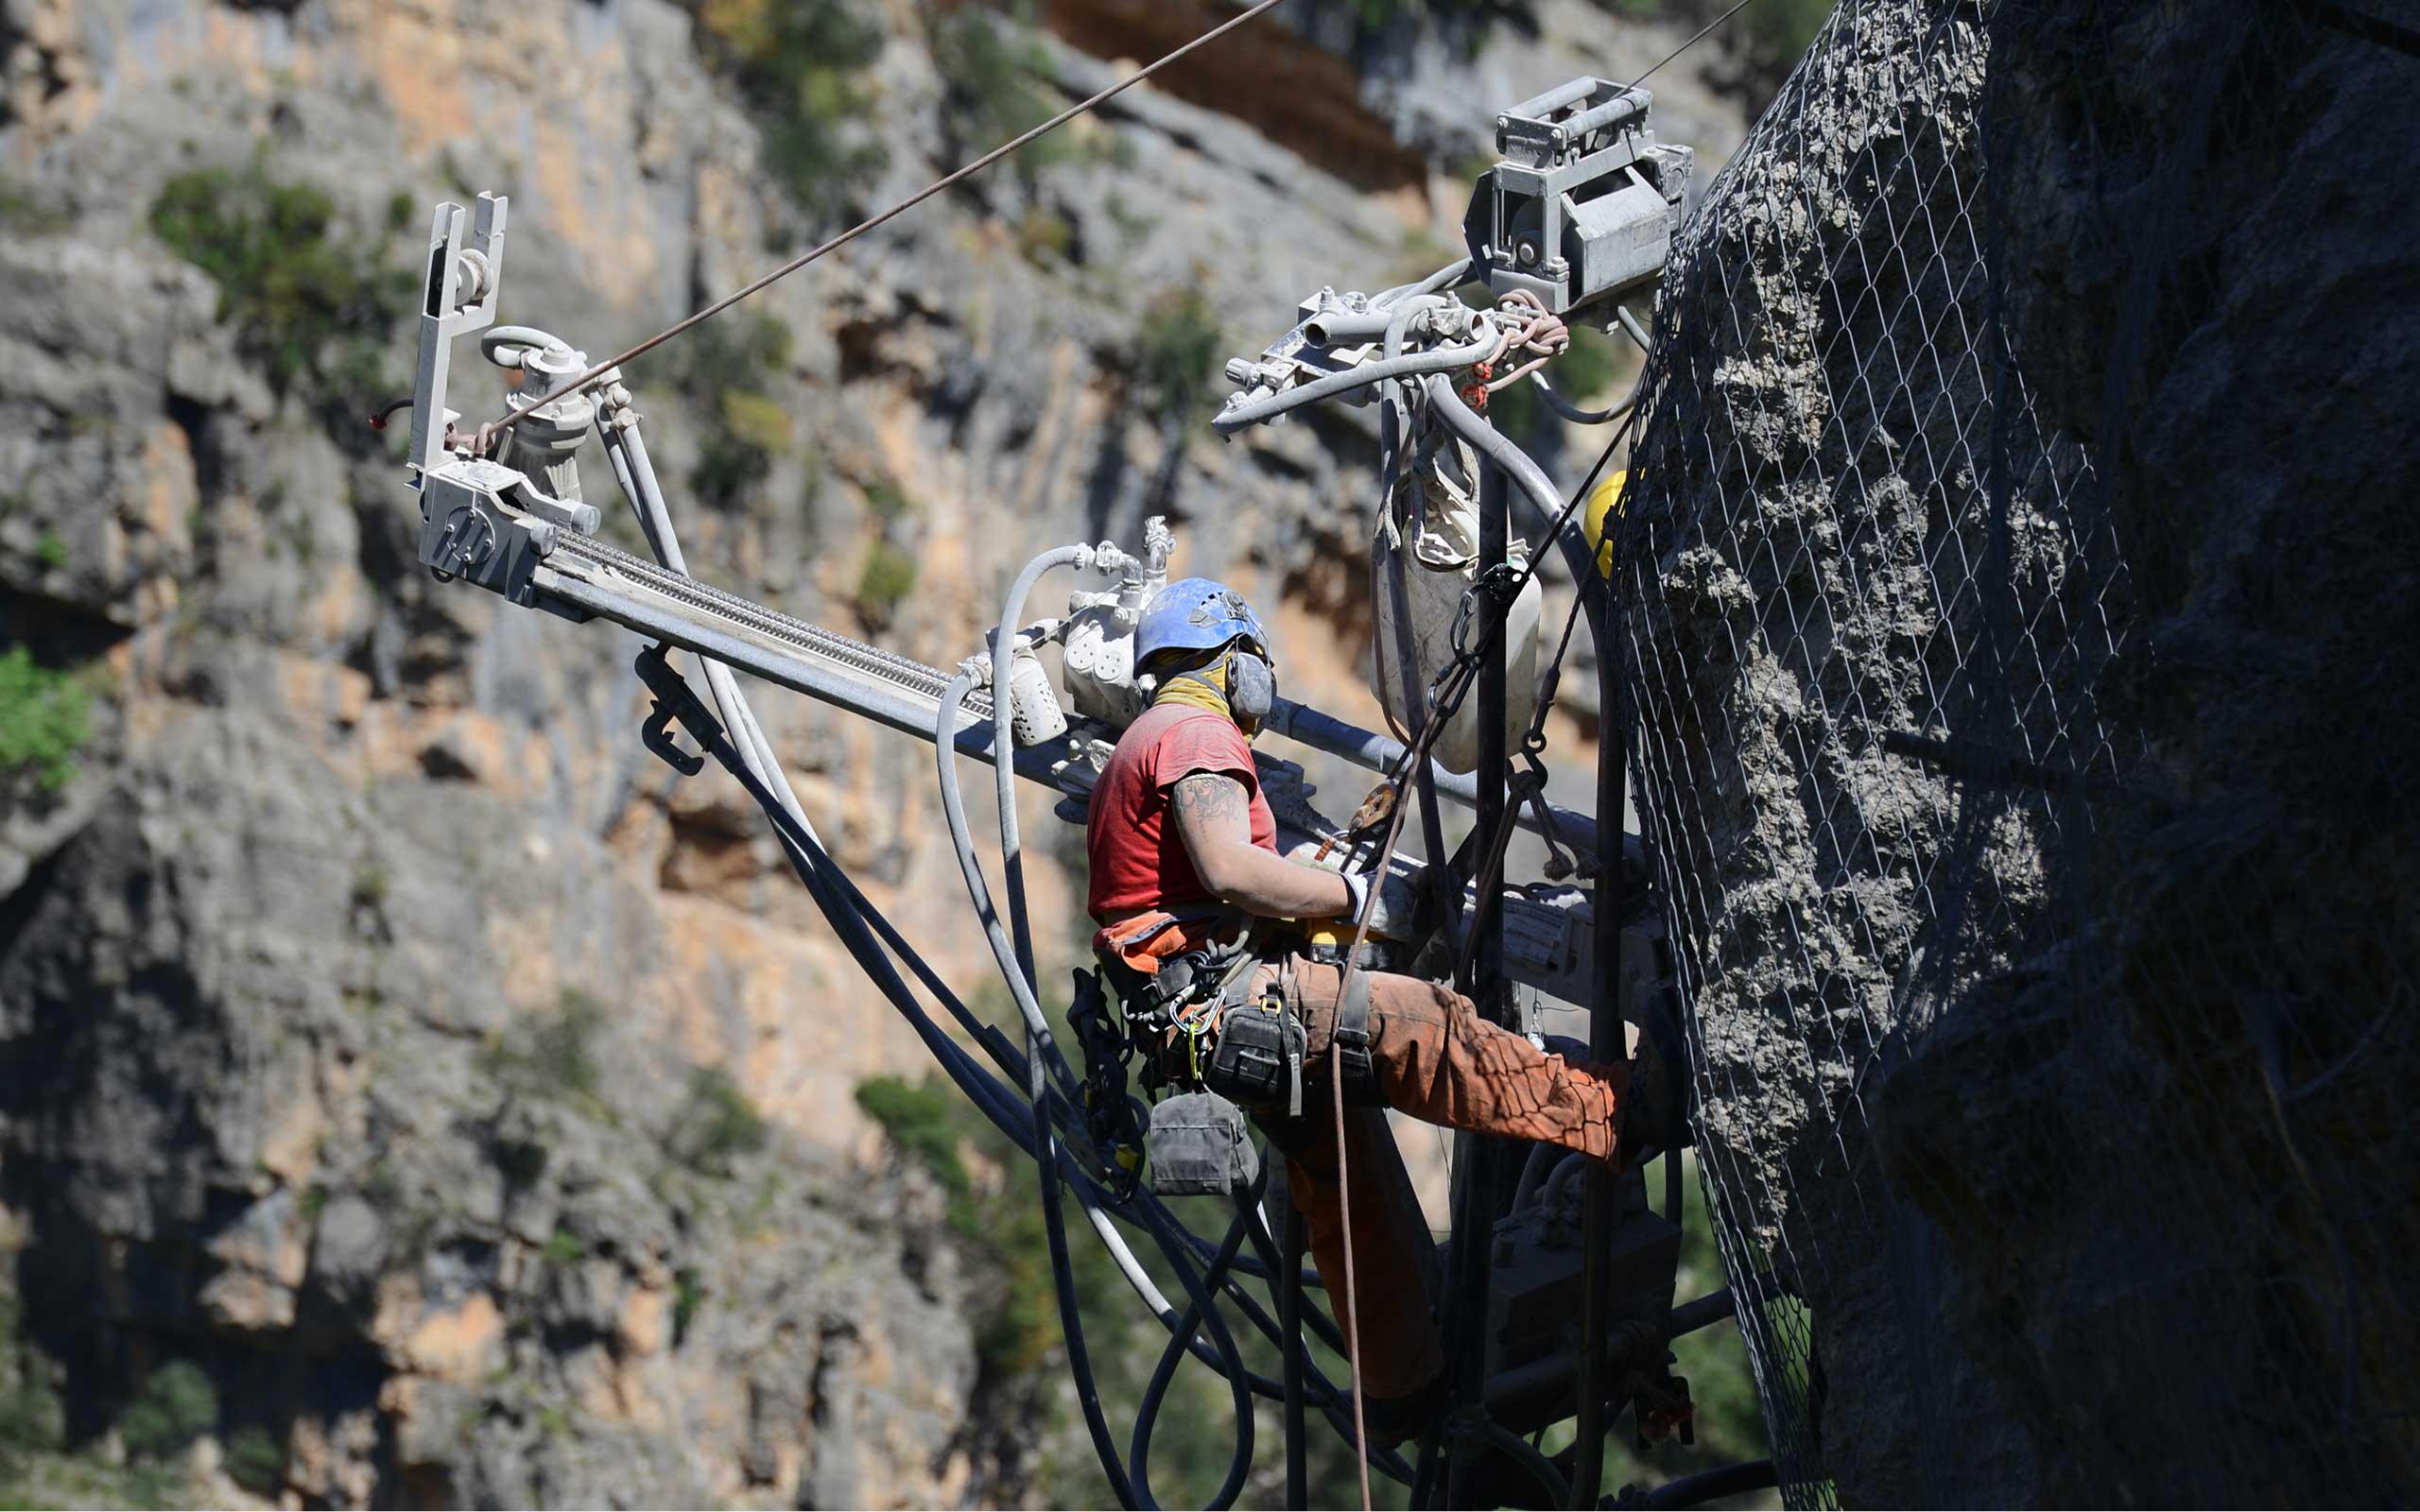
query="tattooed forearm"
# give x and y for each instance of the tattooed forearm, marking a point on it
(1214, 822)
(1208, 800)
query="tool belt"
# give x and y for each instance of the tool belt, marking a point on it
(1186, 986)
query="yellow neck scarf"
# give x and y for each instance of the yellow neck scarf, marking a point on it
(1201, 688)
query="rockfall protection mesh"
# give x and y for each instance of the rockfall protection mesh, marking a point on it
(2048, 973)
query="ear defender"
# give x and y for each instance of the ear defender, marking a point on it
(1252, 687)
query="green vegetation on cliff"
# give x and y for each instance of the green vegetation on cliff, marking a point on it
(308, 301)
(800, 66)
(45, 719)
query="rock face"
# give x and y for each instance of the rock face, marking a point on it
(450, 1244)
(381, 1029)
(2009, 752)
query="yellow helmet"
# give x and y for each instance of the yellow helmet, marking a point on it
(1604, 497)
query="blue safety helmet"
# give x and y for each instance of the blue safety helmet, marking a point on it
(1195, 614)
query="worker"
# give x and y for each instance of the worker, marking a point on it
(1185, 862)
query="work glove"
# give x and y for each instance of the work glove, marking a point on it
(1393, 917)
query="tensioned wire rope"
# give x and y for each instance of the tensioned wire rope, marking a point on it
(599, 369)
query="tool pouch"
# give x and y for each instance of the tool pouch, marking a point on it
(1258, 1060)
(1201, 1147)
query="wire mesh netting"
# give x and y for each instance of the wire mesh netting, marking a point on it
(2021, 769)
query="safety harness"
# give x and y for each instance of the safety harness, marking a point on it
(1212, 1043)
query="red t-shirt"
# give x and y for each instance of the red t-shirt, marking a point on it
(1137, 862)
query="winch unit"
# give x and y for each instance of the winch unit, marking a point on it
(1584, 202)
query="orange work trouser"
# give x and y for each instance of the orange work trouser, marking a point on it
(1435, 1058)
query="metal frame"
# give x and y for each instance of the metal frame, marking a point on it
(491, 524)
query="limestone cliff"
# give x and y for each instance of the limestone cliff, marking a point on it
(2020, 635)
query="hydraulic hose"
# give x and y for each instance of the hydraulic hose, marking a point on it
(626, 451)
(1139, 1454)
(1731, 1479)
(1436, 360)
(1540, 1468)
(1445, 278)
(1041, 1046)
(978, 892)
(1016, 969)
(1229, 1361)
(814, 866)
(743, 749)
(1004, 768)
(1524, 470)
(1333, 1404)
(1172, 1241)
(1572, 412)
(1287, 1294)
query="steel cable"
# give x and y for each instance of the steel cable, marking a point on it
(960, 176)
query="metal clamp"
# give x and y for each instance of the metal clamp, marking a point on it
(674, 700)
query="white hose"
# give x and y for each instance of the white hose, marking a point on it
(1418, 364)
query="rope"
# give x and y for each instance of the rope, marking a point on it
(977, 166)
(1703, 33)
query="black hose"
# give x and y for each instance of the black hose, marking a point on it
(1147, 1415)
(1046, 1143)
(1289, 1295)
(1731, 1479)
(1540, 1468)
(1063, 1277)
(1703, 1313)
(871, 942)
(1265, 1244)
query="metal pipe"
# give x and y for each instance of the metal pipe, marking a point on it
(1494, 759)
(1474, 1221)
(1553, 99)
(1372, 752)
(1432, 827)
(1731, 1479)
(1705, 1312)
(1605, 1045)
(1613, 110)
(1342, 327)
(795, 671)
(1004, 738)
(1438, 360)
